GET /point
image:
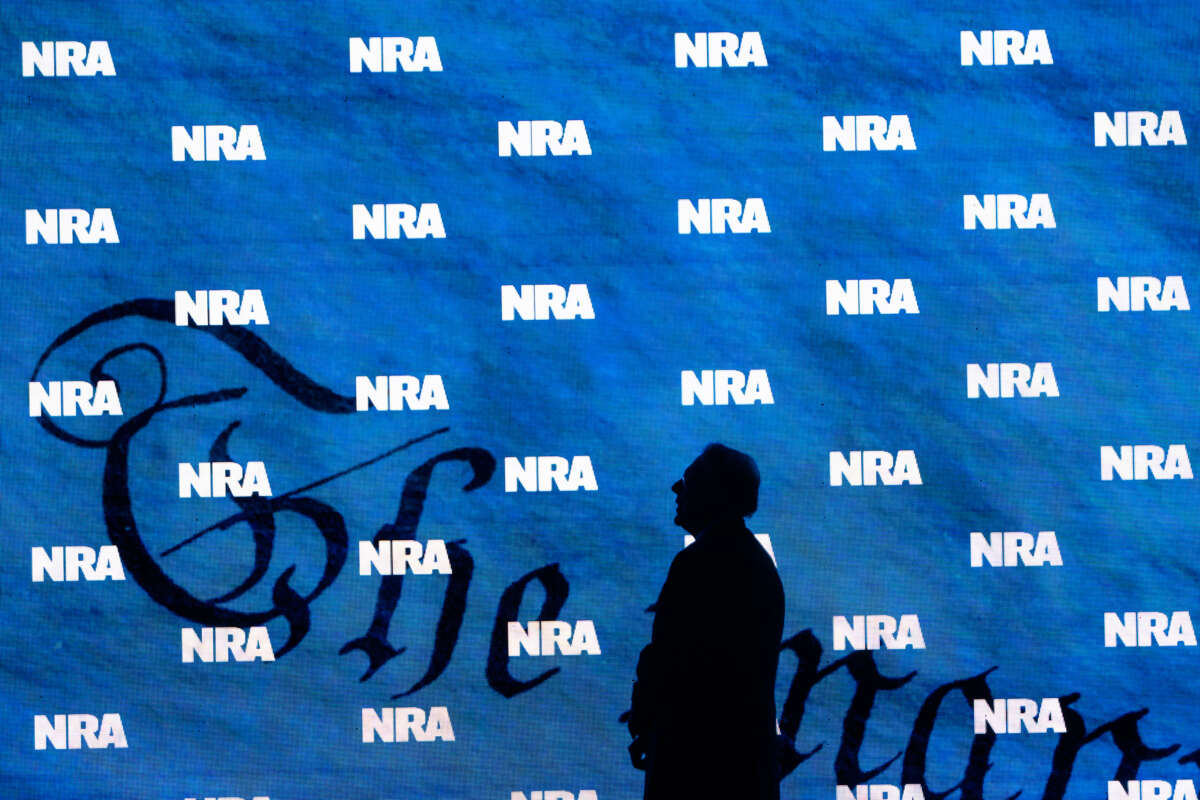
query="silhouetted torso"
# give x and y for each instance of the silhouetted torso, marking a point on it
(707, 678)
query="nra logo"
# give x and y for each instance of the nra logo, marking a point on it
(1149, 629)
(74, 562)
(999, 48)
(63, 59)
(226, 644)
(64, 398)
(547, 637)
(869, 467)
(215, 478)
(1141, 292)
(78, 731)
(867, 132)
(393, 220)
(1019, 715)
(399, 392)
(881, 791)
(1010, 380)
(389, 53)
(545, 300)
(1015, 549)
(1184, 789)
(722, 386)
(876, 631)
(220, 307)
(1139, 462)
(1003, 211)
(870, 296)
(216, 143)
(719, 49)
(70, 225)
(539, 136)
(401, 556)
(549, 473)
(1130, 128)
(718, 214)
(559, 794)
(397, 724)
(227, 797)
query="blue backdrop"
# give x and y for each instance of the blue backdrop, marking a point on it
(607, 387)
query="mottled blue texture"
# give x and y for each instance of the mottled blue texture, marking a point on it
(609, 387)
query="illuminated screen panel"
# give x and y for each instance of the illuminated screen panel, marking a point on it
(353, 351)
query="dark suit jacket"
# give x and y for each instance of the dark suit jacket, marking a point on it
(705, 696)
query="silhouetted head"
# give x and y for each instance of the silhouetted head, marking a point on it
(721, 485)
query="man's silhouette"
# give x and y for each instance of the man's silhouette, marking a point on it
(703, 715)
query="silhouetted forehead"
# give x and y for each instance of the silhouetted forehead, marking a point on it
(696, 470)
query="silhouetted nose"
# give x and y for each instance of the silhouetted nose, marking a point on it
(677, 487)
